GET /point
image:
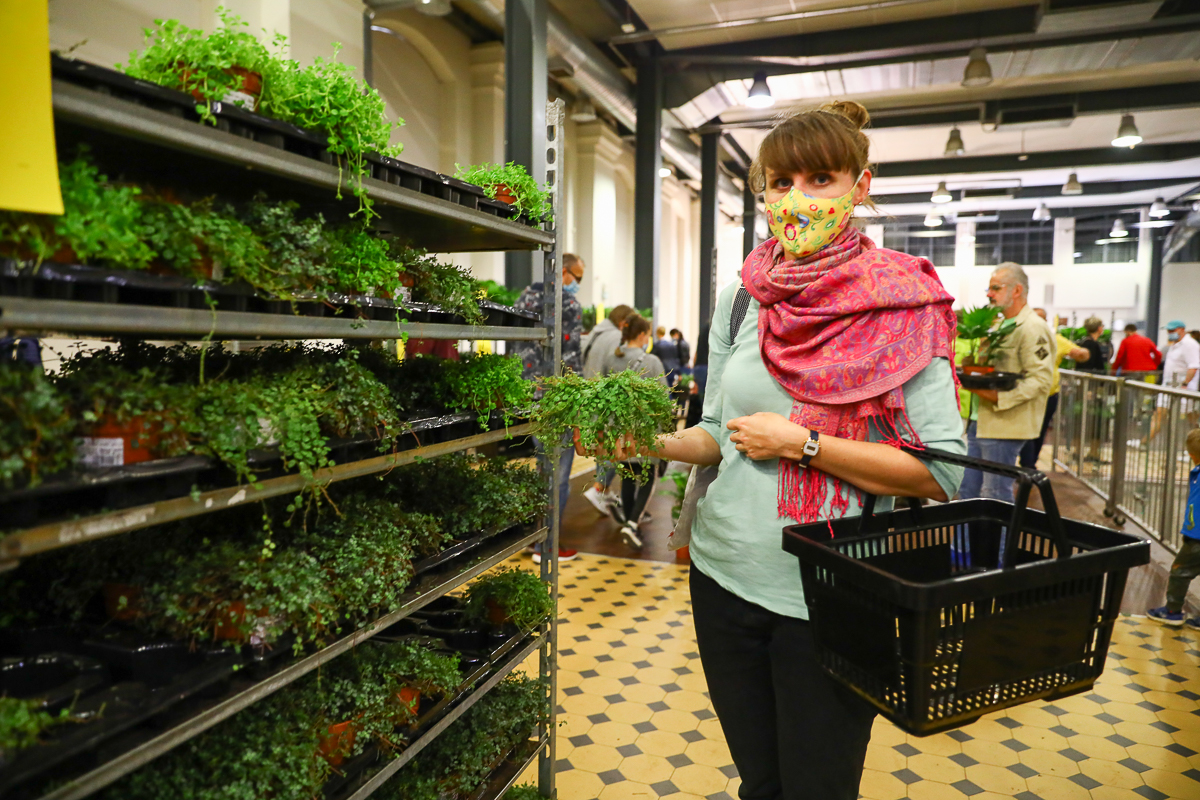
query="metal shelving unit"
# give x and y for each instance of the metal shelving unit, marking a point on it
(182, 151)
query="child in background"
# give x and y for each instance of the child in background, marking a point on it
(1187, 563)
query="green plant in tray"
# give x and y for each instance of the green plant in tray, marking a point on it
(528, 197)
(483, 382)
(979, 326)
(520, 596)
(497, 293)
(22, 723)
(35, 427)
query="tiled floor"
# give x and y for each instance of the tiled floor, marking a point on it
(638, 723)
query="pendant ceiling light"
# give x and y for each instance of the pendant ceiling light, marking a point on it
(1158, 209)
(954, 145)
(1041, 213)
(933, 219)
(941, 194)
(1127, 134)
(434, 8)
(760, 93)
(978, 71)
(1118, 229)
(1072, 186)
(665, 172)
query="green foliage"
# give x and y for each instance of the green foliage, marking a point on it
(676, 490)
(297, 248)
(99, 225)
(324, 97)
(461, 758)
(485, 381)
(35, 428)
(22, 723)
(589, 318)
(468, 493)
(623, 404)
(523, 791)
(360, 262)
(531, 199)
(1077, 335)
(522, 596)
(446, 285)
(979, 326)
(497, 293)
(206, 240)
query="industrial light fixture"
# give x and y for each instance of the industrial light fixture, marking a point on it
(954, 145)
(1072, 186)
(1118, 229)
(434, 8)
(941, 194)
(760, 93)
(1127, 133)
(978, 71)
(1158, 209)
(1041, 213)
(665, 172)
(584, 111)
(933, 219)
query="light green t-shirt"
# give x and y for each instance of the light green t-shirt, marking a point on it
(737, 539)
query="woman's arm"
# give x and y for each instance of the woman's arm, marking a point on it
(872, 467)
(691, 446)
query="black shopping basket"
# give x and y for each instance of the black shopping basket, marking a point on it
(938, 615)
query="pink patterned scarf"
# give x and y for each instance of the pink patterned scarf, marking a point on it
(842, 331)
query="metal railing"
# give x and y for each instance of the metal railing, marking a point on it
(1125, 439)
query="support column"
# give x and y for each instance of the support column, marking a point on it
(709, 175)
(964, 244)
(1154, 289)
(598, 150)
(749, 220)
(524, 107)
(368, 50)
(647, 185)
(1064, 242)
(487, 134)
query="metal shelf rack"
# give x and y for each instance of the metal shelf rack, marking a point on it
(217, 161)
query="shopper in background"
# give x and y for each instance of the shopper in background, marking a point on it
(631, 354)
(1137, 353)
(1095, 362)
(797, 427)
(1186, 566)
(667, 352)
(1064, 348)
(700, 379)
(1181, 370)
(682, 348)
(603, 339)
(1008, 419)
(533, 358)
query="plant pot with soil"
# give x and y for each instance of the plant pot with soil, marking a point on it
(510, 183)
(337, 742)
(509, 596)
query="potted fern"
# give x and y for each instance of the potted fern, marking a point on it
(987, 332)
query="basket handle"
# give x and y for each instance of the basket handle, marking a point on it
(1026, 479)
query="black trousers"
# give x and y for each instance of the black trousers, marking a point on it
(1033, 447)
(794, 733)
(635, 496)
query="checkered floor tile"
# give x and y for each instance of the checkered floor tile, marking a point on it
(639, 724)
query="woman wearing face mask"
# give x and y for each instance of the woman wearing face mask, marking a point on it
(631, 354)
(842, 350)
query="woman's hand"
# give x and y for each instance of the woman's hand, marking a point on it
(765, 435)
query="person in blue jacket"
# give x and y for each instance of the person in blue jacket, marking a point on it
(1186, 566)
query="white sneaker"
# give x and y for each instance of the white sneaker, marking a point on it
(596, 499)
(1134, 443)
(646, 517)
(630, 532)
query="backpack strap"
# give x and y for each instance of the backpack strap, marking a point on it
(741, 303)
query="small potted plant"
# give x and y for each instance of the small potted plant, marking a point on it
(35, 427)
(510, 183)
(22, 723)
(987, 331)
(509, 596)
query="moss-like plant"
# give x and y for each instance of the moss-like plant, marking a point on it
(483, 382)
(623, 404)
(35, 427)
(530, 198)
(519, 595)
(22, 723)
(523, 791)
(360, 263)
(450, 287)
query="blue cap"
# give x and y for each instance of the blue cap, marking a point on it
(1175, 323)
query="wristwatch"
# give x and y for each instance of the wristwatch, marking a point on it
(811, 448)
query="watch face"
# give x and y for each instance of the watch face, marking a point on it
(811, 447)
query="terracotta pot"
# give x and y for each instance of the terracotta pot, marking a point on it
(975, 369)
(228, 621)
(131, 609)
(250, 84)
(139, 440)
(496, 613)
(682, 556)
(65, 255)
(504, 194)
(410, 699)
(338, 743)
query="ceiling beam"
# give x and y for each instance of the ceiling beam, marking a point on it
(1034, 192)
(1055, 159)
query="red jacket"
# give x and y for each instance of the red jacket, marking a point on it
(1137, 354)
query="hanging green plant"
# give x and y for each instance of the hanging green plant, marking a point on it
(450, 287)
(602, 408)
(360, 263)
(510, 595)
(35, 427)
(510, 183)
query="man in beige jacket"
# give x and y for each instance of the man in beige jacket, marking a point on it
(1008, 419)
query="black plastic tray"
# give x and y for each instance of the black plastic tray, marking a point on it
(1000, 381)
(457, 548)
(938, 615)
(274, 133)
(51, 280)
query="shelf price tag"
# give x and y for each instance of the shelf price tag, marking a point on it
(28, 163)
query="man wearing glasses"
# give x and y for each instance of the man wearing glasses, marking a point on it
(1010, 418)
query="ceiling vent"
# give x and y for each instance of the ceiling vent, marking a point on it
(1074, 16)
(1044, 117)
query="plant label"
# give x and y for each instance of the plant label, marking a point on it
(97, 451)
(246, 101)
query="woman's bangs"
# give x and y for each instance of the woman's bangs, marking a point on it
(810, 148)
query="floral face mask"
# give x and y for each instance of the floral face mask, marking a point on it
(804, 224)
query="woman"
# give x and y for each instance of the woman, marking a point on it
(631, 354)
(843, 349)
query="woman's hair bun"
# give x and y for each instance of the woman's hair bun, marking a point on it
(855, 112)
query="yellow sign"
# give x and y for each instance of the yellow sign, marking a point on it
(28, 163)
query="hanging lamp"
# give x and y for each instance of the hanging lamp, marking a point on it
(978, 71)
(1072, 186)
(1127, 133)
(954, 145)
(760, 93)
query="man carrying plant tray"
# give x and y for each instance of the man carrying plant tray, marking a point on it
(1010, 418)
